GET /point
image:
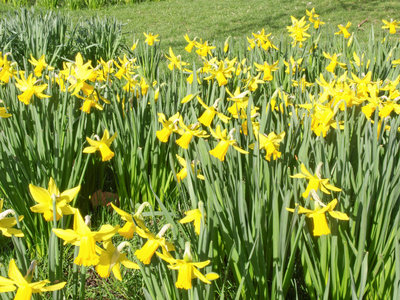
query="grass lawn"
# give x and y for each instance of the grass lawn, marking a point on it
(216, 20)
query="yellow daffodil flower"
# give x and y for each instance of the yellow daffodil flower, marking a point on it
(315, 181)
(187, 270)
(270, 143)
(191, 43)
(175, 61)
(302, 83)
(323, 119)
(103, 74)
(183, 172)
(190, 131)
(25, 287)
(6, 223)
(154, 241)
(298, 31)
(134, 45)
(262, 40)
(150, 38)
(6, 68)
(111, 258)
(392, 25)
(241, 101)
(129, 228)
(267, 69)
(373, 101)
(189, 98)
(207, 117)
(3, 113)
(82, 236)
(204, 48)
(388, 107)
(103, 146)
(92, 101)
(40, 65)
(252, 82)
(293, 64)
(222, 148)
(222, 73)
(169, 126)
(125, 67)
(195, 216)
(334, 62)
(314, 18)
(344, 30)
(311, 15)
(78, 74)
(28, 88)
(226, 44)
(318, 215)
(45, 199)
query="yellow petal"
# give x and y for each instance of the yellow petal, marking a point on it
(40, 195)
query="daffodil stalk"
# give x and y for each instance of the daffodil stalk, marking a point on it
(55, 253)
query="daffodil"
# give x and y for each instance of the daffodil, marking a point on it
(169, 126)
(28, 88)
(7, 69)
(105, 70)
(129, 228)
(134, 45)
(252, 82)
(150, 38)
(207, 117)
(204, 48)
(392, 25)
(82, 236)
(40, 65)
(187, 269)
(222, 73)
(183, 172)
(224, 142)
(314, 18)
(334, 62)
(315, 181)
(153, 243)
(78, 75)
(190, 131)
(6, 223)
(270, 143)
(322, 120)
(344, 30)
(298, 31)
(176, 61)
(92, 101)
(111, 258)
(103, 146)
(191, 43)
(3, 113)
(262, 40)
(195, 216)
(125, 67)
(226, 44)
(25, 287)
(292, 64)
(267, 69)
(388, 107)
(45, 199)
(318, 215)
(241, 101)
(302, 83)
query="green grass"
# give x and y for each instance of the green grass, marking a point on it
(216, 20)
